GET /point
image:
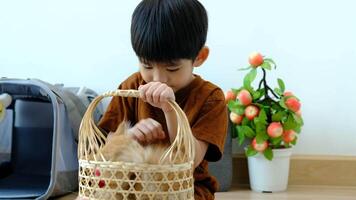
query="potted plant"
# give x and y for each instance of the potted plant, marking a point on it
(270, 119)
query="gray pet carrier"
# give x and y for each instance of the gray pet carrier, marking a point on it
(38, 138)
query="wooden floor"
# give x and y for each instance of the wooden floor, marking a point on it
(293, 193)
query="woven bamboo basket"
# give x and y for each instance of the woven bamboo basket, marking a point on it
(172, 178)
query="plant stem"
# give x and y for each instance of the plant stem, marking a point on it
(260, 84)
(274, 94)
(267, 88)
(265, 83)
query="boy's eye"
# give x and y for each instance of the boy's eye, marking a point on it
(173, 69)
(147, 67)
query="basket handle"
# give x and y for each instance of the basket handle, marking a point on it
(91, 139)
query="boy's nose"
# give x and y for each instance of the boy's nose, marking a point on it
(159, 76)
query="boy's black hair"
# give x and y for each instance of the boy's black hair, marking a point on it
(167, 30)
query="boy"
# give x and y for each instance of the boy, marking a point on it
(168, 36)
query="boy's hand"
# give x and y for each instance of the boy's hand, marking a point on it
(147, 131)
(157, 94)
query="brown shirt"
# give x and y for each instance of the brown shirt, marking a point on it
(204, 105)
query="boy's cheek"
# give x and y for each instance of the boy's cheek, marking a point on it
(146, 76)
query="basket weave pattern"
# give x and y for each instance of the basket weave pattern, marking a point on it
(99, 178)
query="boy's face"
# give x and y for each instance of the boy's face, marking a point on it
(176, 75)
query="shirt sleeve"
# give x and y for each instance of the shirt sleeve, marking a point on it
(211, 125)
(113, 115)
(119, 109)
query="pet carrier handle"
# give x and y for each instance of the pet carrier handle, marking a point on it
(91, 138)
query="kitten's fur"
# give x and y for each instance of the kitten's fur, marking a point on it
(122, 147)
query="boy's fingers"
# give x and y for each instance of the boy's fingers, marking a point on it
(162, 135)
(150, 91)
(157, 94)
(139, 136)
(165, 94)
(142, 89)
(137, 133)
(158, 130)
(148, 136)
(169, 93)
(155, 135)
(145, 129)
(154, 132)
(156, 124)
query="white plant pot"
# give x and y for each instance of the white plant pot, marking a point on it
(269, 176)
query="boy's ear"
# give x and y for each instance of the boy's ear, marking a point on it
(202, 56)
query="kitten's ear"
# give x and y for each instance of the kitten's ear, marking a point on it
(122, 128)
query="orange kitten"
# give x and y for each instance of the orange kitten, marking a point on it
(120, 146)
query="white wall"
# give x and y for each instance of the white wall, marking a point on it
(313, 42)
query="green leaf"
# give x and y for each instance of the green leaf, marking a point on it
(260, 125)
(262, 105)
(252, 125)
(257, 94)
(250, 151)
(235, 91)
(236, 107)
(247, 86)
(278, 116)
(246, 68)
(262, 116)
(276, 141)
(268, 153)
(245, 121)
(249, 78)
(294, 142)
(277, 107)
(266, 65)
(298, 119)
(241, 135)
(239, 110)
(281, 103)
(281, 85)
(270, 61)
(261, 137)
(261, 92)
(247, 131)
(278, 91)
(297, 129)
(261, 131)
(231, 105)
(290, 124)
